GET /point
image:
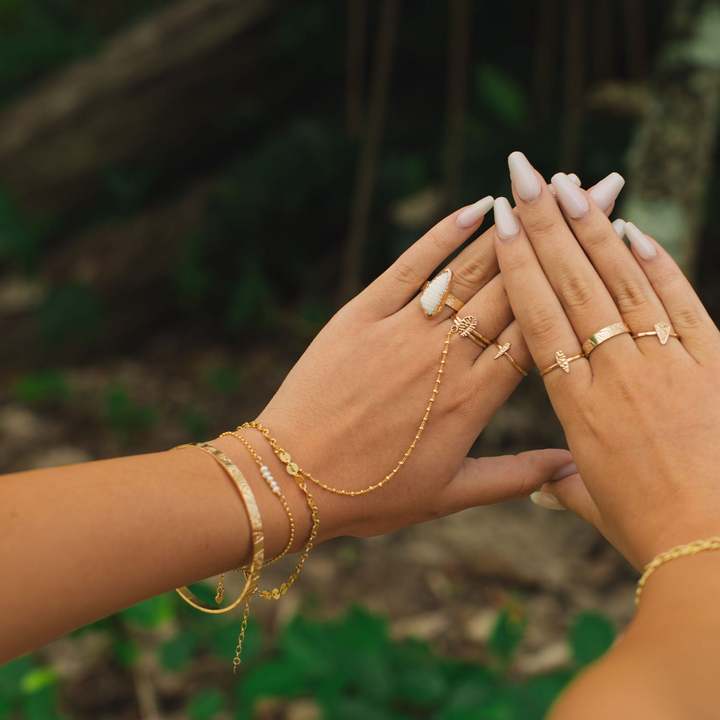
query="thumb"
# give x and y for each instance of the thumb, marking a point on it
(483, 481)
(568, 492)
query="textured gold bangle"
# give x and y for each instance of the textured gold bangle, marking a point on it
(256, 532)
(679, 551)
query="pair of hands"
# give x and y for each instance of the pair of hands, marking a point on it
(640, 417)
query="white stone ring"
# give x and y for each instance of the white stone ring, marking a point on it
(436, 294)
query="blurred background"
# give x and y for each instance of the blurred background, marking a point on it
(190, 188)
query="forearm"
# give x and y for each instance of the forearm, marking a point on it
(80, 542)
(665, 666)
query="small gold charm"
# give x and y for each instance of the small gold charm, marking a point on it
(663, 332)
(503, 349)
(562, 361)
(219, 597)
(464, 326)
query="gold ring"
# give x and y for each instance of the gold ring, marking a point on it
(503, 352)
(662, 330)
(606, 333)
(436, 294)
(466, 328)
(562, 362)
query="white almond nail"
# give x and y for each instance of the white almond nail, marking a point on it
(643, 247)
(506, 224)
(619, 227)
(574, 178)
(547, 501)
(471, 215)
(524, 177)
(606, 191)
(570, 196)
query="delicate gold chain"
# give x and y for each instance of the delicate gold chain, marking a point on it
(275, 488)
(241, 636)
(679, 551)
(292, 467)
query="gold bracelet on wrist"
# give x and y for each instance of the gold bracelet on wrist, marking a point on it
(679, 551)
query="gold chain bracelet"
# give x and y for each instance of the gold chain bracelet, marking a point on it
(293, 469)
(679, 551)
(277, 593)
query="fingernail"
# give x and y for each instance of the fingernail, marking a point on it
(574, 178)
(564, 471)
(572, 199)
(471, 215)
(619, 227)
(523, 177)
(644, 248)
(606, 191)
(547, 501)
(506, 224)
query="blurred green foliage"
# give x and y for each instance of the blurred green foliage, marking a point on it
(126, 416)
(41, 386)
(349, 666)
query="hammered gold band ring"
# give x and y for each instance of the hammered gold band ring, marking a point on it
(662, 330)
(465, 327)
(503, 352)
(436, 294)
(606, 333)
(562, 362)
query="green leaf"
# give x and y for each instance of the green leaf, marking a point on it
(502, 94)
(48, 385)
(12, 673)
(591, 635)
(206, 704)
(41, 706)
(150, 613)
(508, 632)
(5, 708)
(37, 679)
(177, 652)
(126, 651)
(272, 679)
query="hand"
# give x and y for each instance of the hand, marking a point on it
(350, 408)
(642, 419)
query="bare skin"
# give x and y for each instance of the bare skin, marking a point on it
(87, 540)
(642, 421)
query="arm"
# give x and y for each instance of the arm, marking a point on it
(642, 418)
(80, 542)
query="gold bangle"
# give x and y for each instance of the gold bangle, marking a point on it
(256, 533)
(604, 334)
(679, 551)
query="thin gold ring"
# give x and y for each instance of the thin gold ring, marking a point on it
(604, 334)
(662, 330)
(562, 362)
(503, 352)
(436, 294)
(465, 327)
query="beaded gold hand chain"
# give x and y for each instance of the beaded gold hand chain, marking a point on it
(294, 470)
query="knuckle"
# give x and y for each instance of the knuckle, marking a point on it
(687, 317)
(575, 292)
(541, 321)
(473, 271)
(407, 273)
(630, 295)
(440, 239)
(540, 225)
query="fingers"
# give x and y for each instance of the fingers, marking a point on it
(629, 288)
(688, 317)
(499, 369)
(402, 280)
(583, 295)
(482, 481)
(568, 493)
(542, 320)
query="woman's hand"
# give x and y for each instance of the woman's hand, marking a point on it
(642, 418)
(351, 407)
